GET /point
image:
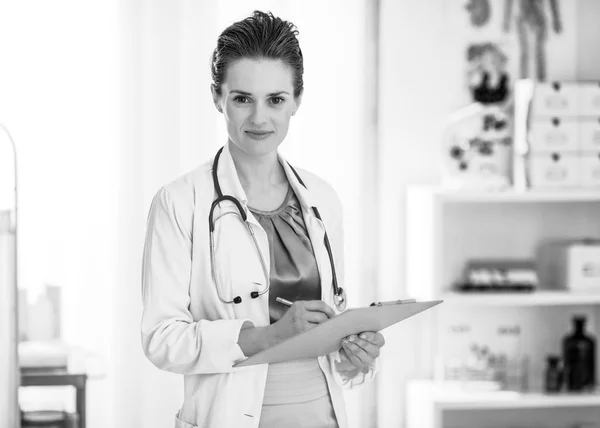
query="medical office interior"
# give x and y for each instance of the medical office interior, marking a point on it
(463, 138)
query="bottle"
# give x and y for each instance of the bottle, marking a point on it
(579, 352)
(554, 375)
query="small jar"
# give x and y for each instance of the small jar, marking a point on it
(553, 375)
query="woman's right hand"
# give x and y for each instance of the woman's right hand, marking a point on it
(301, 316)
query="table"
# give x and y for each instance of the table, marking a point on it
(59, 377)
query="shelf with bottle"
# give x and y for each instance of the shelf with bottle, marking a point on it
(453, 396)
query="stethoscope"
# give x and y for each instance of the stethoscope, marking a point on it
(339, 296)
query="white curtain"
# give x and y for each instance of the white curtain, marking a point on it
(169, 126)
(59, 98)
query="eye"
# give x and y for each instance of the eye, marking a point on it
(277, 100)
(242, 99)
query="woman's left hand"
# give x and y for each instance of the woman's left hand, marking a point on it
(363, 349)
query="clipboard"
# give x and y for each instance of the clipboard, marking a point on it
(327, 337)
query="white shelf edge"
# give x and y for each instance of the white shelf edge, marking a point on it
(535, 298)
(507, 400)
(454, 398)
(513, 196)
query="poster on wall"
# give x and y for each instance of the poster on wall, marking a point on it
(498, 41)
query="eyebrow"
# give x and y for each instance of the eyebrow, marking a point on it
(272, 94)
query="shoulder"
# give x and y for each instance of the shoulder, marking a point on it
(182, 192)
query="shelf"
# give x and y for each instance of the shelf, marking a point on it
(455, 398)
(535, 298)
(512, 196)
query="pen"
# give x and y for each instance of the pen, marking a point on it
(284, 301)
(394, 302)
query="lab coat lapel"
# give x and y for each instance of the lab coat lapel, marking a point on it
(255, 309)
(316, 232)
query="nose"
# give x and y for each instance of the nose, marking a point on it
(259, 114)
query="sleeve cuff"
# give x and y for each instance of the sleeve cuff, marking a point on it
(222, 336)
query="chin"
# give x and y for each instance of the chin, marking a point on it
(258, 148)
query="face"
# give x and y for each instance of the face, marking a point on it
(257, 100)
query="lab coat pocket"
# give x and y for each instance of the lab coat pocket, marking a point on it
(180, 424)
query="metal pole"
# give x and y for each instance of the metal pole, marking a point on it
(15, 381)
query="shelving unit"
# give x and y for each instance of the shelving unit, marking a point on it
(444, 230)
(535, 298)
(511, 196)
(429, 402)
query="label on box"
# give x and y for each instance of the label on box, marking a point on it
(583, 267)
(554, 134)
(589, 134)
(555, 99)
(589, 99)
(590, 169)
(554, 170)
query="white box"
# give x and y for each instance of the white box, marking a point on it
(590, 169)
(589, 99)
(553, 134)
(589, 134)
(571, 265)
(555, 99)
(554, 170)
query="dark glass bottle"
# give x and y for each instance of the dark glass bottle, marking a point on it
(579, 356)
(553, 375)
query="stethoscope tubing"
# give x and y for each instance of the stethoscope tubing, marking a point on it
(337, 291)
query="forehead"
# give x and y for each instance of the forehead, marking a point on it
(259, 76)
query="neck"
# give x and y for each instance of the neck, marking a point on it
(257, 171)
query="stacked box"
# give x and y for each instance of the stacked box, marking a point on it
(564, 135)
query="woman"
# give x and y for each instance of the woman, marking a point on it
(205, 310)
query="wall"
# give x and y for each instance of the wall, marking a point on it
(421, 78)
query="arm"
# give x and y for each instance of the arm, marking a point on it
(171, 339)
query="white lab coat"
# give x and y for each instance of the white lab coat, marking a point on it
(186, 328)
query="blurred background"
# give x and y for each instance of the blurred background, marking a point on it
(463, 138)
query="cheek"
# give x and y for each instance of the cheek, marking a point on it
(234, 117)
(282, 119)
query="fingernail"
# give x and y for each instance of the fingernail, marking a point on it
(351, 339)
(345, 341)
(363, 336)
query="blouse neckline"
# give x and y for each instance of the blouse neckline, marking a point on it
(278, 210)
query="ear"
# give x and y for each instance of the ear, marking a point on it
(298, 101)
(216, 98)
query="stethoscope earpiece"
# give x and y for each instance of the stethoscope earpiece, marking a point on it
(237, 300)
(254, 294)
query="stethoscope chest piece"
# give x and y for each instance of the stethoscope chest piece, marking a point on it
(340, 300)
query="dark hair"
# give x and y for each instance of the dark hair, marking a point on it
(261, 35)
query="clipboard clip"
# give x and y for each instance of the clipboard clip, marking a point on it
(394, 302)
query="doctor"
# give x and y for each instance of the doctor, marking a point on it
(211, 299)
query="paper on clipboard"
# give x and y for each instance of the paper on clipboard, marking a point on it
(327, 337)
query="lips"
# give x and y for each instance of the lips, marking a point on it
(258, 132)
(258, 135)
